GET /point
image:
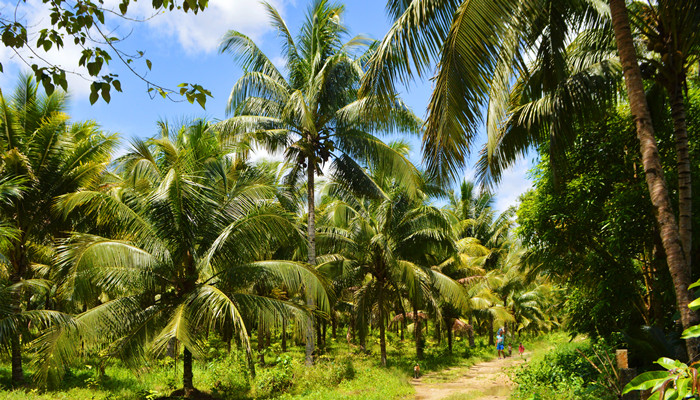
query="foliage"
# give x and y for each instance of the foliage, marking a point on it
(596, 216)
(563, 374)
(88, 24)
(679, 380)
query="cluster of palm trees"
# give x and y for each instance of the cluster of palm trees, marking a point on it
(537, 66)
(182, 236)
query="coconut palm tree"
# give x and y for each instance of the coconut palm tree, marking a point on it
(472, 41)
(669, 29)
(314, 113)
(190, 228)
(51, 157)
(385, 249)
(654, 174)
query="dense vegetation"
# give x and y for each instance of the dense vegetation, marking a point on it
(182, 268)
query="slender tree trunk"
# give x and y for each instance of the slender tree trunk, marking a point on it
(658, 191)
(261, 341)
(319, 335)
(685, 198)
(311, 225)
(187, 384)
(382, 331)
(418, 333)
(470, 332)
(491, 342)
(448, 330)
(334, 325)
(19, 264)
(17, 370)
(284, 334)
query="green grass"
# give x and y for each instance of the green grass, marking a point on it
(341, 373)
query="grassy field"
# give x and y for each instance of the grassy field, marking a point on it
(341, 373)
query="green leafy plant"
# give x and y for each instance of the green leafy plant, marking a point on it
(678, 380)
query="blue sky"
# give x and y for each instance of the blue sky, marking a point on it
(183, 48)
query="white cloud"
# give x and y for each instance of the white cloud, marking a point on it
(198, 33)
(201, 33)
(514, 182)
(35, 15)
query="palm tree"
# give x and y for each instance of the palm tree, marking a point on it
(473, 40)
(386, 245)
(189, 230)
(51, 157)
(658, 191)
(314, 114)
(669, 29)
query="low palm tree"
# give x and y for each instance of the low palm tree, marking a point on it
(314, 113)
(189, 227)
(51, 157)
(384, 248)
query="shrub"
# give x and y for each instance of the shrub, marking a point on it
(563, 374)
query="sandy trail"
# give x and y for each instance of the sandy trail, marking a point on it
(483, 381)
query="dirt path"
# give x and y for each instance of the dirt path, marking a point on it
(483, 381)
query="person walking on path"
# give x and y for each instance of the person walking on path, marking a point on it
(521, 349)
(500, 341)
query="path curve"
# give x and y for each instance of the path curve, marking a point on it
(483, 381)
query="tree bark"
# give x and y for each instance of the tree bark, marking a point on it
(187, 384)
(284, 334)
(382, 336)
(311, 226)
(334, 325)
(658, 191)
(17, 370)
(418, 333)
(448, 330)
(261, 341)
(685, 198)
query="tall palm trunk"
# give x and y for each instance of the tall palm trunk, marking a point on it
(658, 190)
(187, 384)
(20, 263)
(284, 334)
(418, 333)
(17, 371)
(448, 328)
(470, 333)
(685, 199)
(311, 225)
(382, 334)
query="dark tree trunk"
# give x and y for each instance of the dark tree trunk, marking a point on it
(448, 331)
(17, 370)
(658, 191)
(418, 334)
(382, 338)
(685, 198)
(311, 225)
(470, 332)
(319, 334)
(334, 325)
(491, 342)
(187, 384)
(284, 334)
(261, 341)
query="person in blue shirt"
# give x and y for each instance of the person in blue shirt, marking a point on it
(500, 343)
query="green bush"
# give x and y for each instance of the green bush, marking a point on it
(271, 382)
(563, 374)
